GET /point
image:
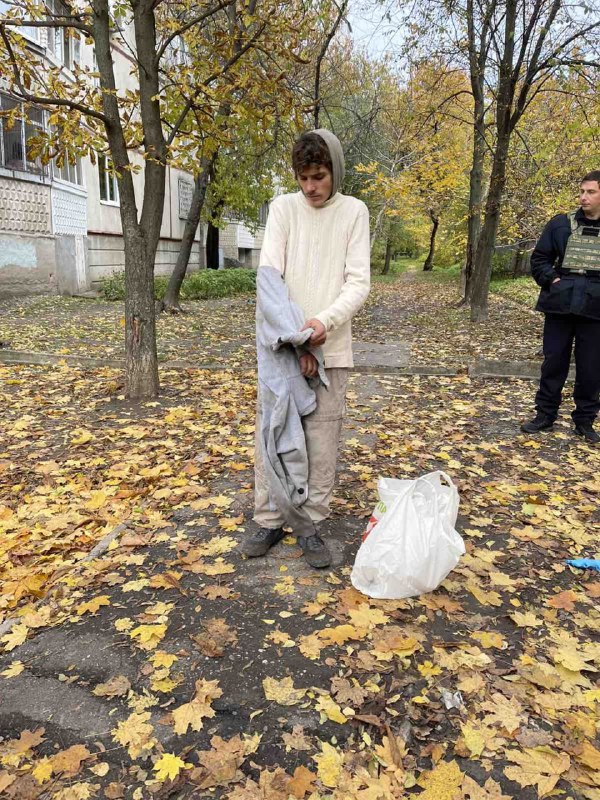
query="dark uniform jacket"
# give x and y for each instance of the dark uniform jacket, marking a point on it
(573, 294)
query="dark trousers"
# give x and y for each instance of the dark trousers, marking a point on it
(560, 331)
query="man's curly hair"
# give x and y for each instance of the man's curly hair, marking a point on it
(309, 149)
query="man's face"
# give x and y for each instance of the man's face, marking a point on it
(316, 183)
(589, 198)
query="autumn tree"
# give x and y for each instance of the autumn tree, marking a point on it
(512, 49)
(147, 124)
(427, 142)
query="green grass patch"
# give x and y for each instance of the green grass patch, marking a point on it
(520, 290)
(202, 285)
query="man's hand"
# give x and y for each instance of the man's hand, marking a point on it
(320, 332)
(556, 280)
(309, 365)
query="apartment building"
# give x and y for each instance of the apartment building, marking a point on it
(60, 228)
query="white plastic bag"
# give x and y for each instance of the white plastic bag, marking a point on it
(411, 543)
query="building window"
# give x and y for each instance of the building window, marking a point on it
(29, 32)
(109, 188)
(16, 129)
(71, 173)
(263, 214)
(63, 43)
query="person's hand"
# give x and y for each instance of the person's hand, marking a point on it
(320, 332)
(556, 280)
(309, 366)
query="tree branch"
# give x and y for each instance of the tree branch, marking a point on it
(195, 21)
(45, 101)
(228, 64)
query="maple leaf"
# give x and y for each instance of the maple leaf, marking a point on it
(77, 791)
(135, 733)
(18, 634)
(15, 668)
(115, 687)
(537, 766)
(216, 592)
(283, 691)
(485, 598)
(428, 670)
(489, 639)
(43, 770)
(192, 714)
(506, 713)
(69, 761)
(162, 659)
(366, 617)
(148, 636)
(296, 740)
(28, 740)
(526, 619)
(220, 765)
(588, 755)
(489, 791)
(347, 693)
(274, 785)
(565, 600)
(302, 782)
(215, 638)
(169, 766)
(92, 606)
(338, 635)
(442, 783)
(329, 765)
(329, 709)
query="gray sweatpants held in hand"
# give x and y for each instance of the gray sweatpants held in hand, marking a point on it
(322, 431)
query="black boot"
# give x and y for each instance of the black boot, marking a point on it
(315, 551)
(259, 543)
(540, 423)
(586, 429)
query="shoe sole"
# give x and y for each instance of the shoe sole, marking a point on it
(585, 438)
(539, 430)
(257, 554)
(317, 566)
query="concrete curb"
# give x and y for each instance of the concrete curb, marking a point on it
(528, 370)
(525, 370)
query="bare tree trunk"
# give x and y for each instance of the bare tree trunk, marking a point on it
(140, 238)
(170, 302)
(487, 239)
(476, 192)
(428, 265)
(388, 256)
(479, 41)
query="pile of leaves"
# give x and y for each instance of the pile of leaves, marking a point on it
(264, 680)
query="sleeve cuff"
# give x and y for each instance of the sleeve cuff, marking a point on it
(324, 318)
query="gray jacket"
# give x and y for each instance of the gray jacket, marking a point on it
(285, 396)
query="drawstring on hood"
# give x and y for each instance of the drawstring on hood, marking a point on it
(338, 163)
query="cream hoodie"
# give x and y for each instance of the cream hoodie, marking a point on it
(324, 256)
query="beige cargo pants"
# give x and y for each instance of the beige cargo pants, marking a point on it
(322, 431)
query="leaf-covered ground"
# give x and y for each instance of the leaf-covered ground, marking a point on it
(170, 667)
(419, 309)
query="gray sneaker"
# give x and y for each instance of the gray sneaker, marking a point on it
(259, 543)
(315, 551)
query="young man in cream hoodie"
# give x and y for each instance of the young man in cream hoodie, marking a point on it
(318, 239)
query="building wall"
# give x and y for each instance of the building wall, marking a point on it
(27, 254)
(106, 256)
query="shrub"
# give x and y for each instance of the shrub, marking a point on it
(202, 285)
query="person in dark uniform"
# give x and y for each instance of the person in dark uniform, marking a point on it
(566, 264)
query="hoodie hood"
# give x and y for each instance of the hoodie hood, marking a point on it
(337, 158)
